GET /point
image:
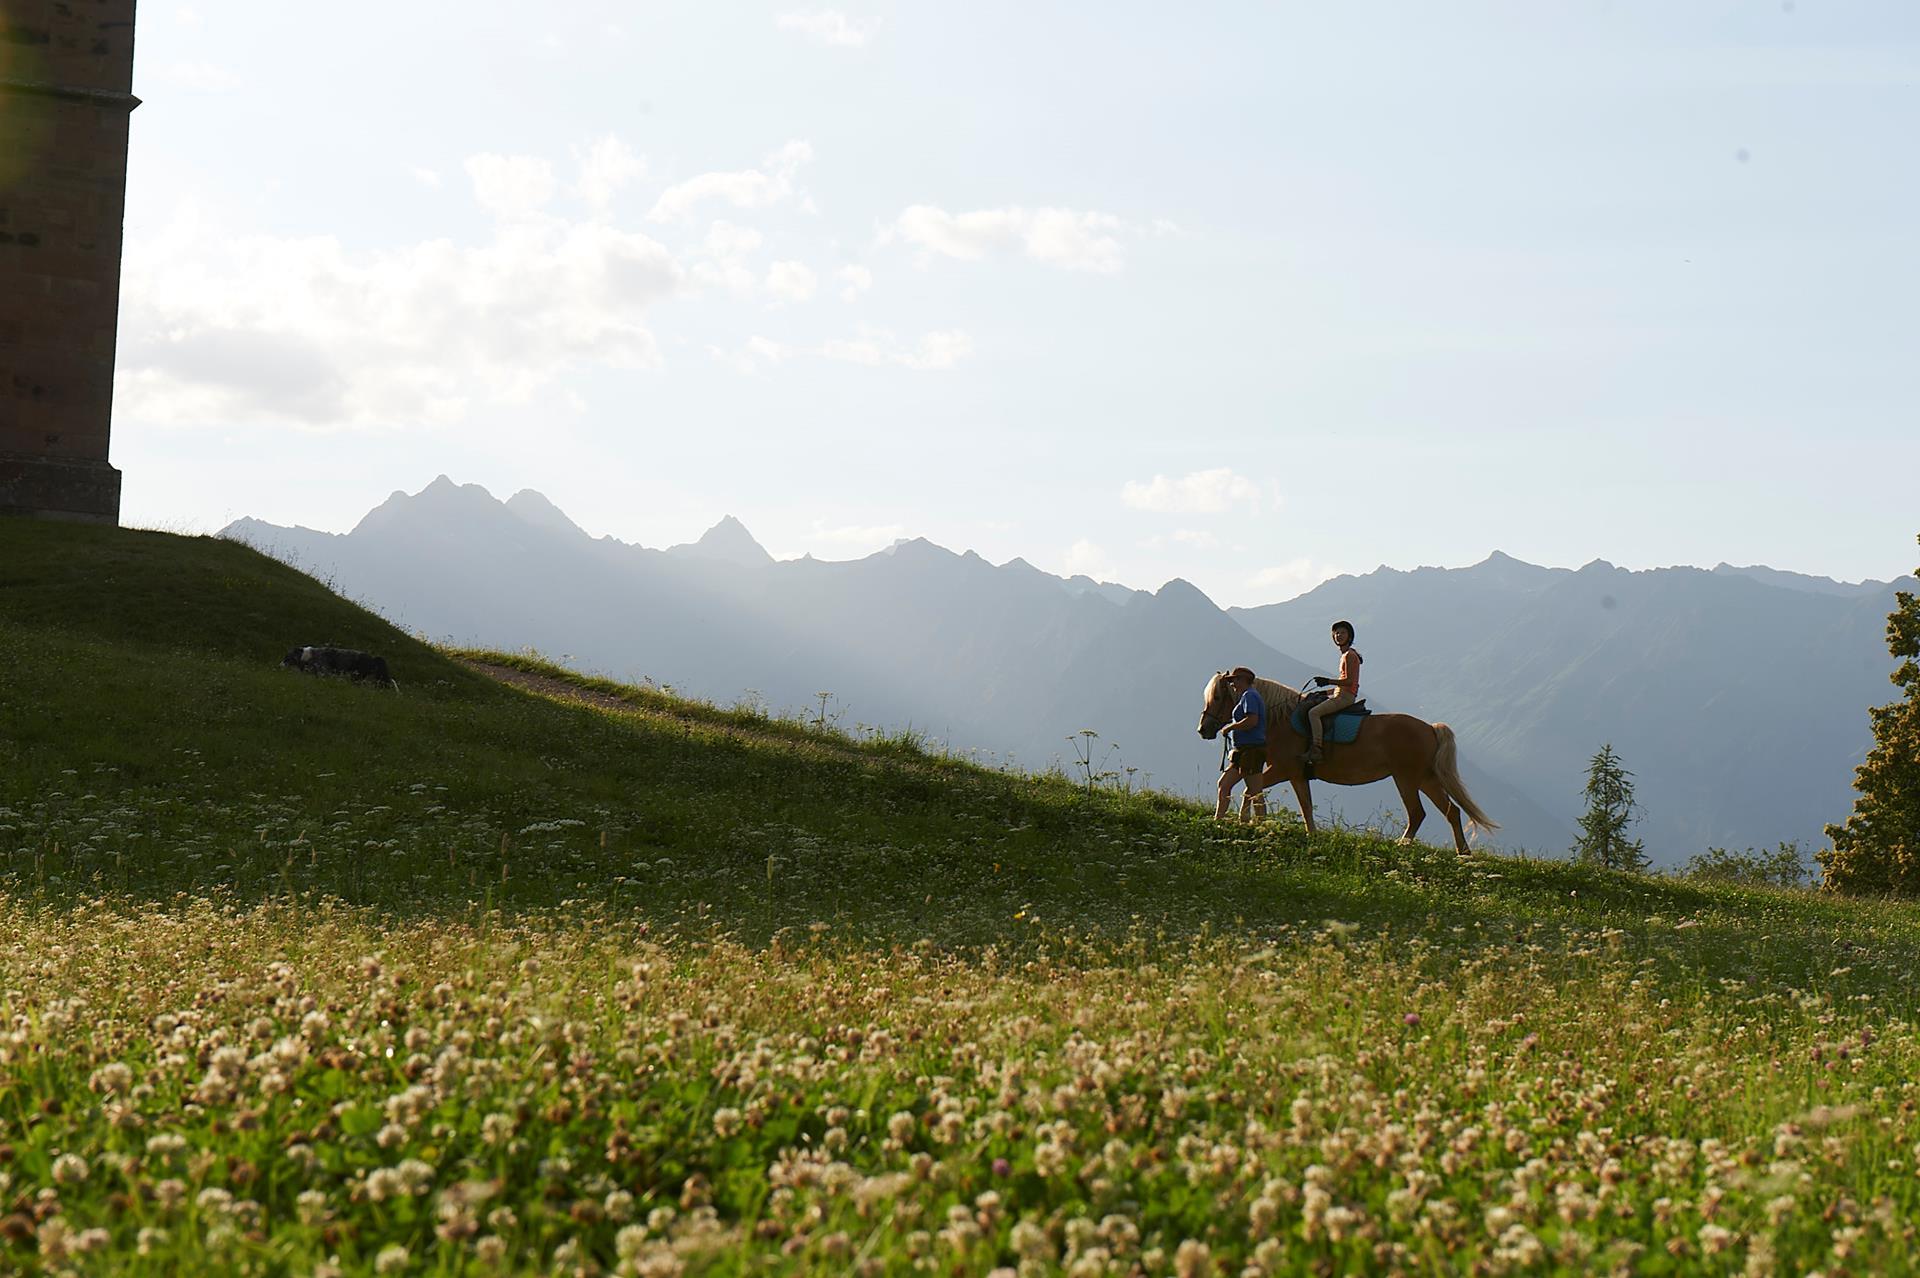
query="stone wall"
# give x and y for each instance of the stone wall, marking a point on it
(66, 74)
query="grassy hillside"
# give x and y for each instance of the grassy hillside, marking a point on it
(300, 976)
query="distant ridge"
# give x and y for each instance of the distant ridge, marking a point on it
(1006, 659)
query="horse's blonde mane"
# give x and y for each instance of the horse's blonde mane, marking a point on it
(1280, 700)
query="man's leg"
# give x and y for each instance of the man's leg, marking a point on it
(1228, 780)
(1256, 805)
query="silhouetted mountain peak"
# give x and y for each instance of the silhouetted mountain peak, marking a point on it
(917, 548)
(535, 509)
(727, 540)
(1181, 591)
(440, 503)
(1501, 569)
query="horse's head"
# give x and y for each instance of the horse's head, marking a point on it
(1216, 707)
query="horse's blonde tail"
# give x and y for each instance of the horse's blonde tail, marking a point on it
(1446, 766)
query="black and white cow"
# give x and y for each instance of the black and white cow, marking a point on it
(351, 662)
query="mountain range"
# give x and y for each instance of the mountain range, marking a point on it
(1707, 683)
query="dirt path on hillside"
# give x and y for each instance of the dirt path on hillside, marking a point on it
(565, 690)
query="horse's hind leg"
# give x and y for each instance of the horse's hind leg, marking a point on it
(1410, 795)
(1449, 810)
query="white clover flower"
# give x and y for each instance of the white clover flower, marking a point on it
(392, 1259)
(1193, 1259)
(311, 1206)
(627, 1243)
(727, 1122)
(70, 1169)
(111, 1078)
(415, 1175)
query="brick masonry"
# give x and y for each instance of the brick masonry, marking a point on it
(66, 79)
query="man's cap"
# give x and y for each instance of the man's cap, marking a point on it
(1241, 672)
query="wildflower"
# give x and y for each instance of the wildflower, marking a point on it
(56, 1239)
(1001, 1167)
(627, 1243)
(1411, 1018)
(900, 1127)
(111, 1078)
(392, 1259)
(70, 1169)
(415, 1175)
(149, 1240)
(1715, 1239)
(311, 1206)
(1193, 1259)
(727, 1122)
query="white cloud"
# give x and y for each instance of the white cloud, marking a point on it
(1203, 492)
(873, 348)
(1066, 238)
(829, 26)
(757, 353)
(511, 185)
(723, 259)
(857, 279)
(1086, 558)
(606, 165)
(235, 330)
(791, 281)
(1294, 577)
(933, 352)
(746, 188)
(429, 178)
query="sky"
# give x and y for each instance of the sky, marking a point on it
(1248, 294)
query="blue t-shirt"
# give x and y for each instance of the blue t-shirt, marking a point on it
(1250, 703)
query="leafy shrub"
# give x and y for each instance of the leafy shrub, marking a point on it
(1785, 866)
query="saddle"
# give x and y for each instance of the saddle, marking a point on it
(1341, 728)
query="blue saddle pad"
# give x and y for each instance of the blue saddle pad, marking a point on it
(1343, 729)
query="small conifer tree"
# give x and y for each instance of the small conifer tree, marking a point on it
(1877, 849)
(1610, 810)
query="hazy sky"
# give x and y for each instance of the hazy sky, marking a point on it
(1249, 294)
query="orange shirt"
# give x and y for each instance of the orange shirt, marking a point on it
(1349, 680)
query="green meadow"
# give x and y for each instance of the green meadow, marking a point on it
(302, 977)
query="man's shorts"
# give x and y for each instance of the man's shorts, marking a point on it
(1251, 760)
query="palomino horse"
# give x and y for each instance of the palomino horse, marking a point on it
(1419, 756)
